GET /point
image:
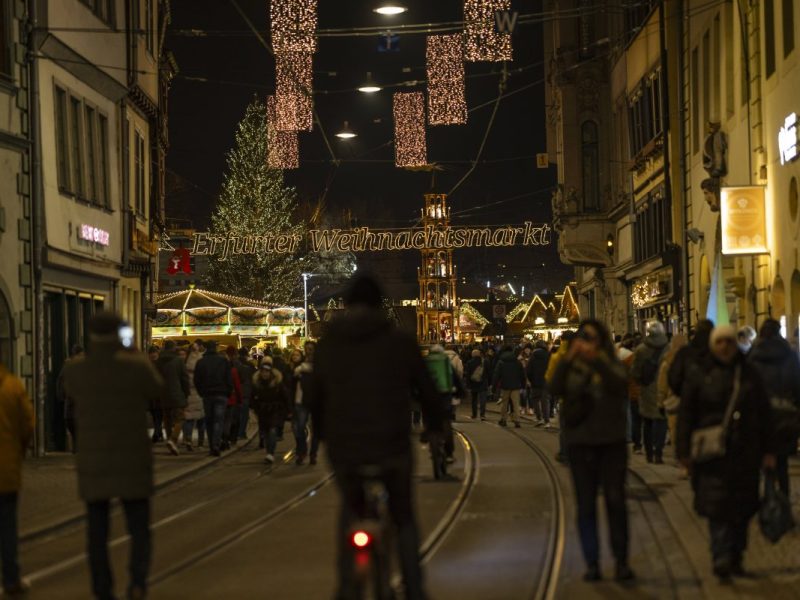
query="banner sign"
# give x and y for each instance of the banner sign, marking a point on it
(364, 239)
(743, 213)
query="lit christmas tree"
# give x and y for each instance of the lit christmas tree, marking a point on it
(254, 199)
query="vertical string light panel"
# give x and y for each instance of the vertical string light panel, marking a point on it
(483, 43)
(282, 146)
(293, 88)
(293, 24)
(447, 104)
(410, 147)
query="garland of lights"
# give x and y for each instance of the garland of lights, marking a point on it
(515, 311)
(294, 109)
(483, 42)
(470, 311)
(447, 104)
(282, 146)
(293, 25)
(410, 147)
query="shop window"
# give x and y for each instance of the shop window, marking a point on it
(590, 158)
(793, 198)
(6, 356)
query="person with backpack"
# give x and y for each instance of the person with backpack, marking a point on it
(478, 381)
(537, 367)
(509, 375)
(447, 385)
(644, 371)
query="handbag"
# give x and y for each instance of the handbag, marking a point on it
(711, 442)
(775, 515)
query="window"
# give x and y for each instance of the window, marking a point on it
(707, 83)
(653, 227)
(5, 39)
(730, 102)
(788, 27)
(148, 25)
(586, 28)
(62, 141)
(591, 166)
(103, 9)
(6, 357)
(716, 67)
(696, 100)
(645, 113)
(91, 155)
(102, 160)
(76, 146)
(769, 36)
(139, 167)
(635, 15)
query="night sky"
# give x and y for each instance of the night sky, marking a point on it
(223, 65)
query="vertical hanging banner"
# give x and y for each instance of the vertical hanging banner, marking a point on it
(282, 146)
(294, 110)
(410, 147)
(293, 25)
(483, 42)
(447, 104)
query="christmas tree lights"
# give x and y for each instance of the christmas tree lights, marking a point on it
(410, 147)
(293, 25)
(447, 104)
(483, 43)
(293, 102)
(282, 146)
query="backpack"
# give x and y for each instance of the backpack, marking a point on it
(477, 374)
(650, 368)
(441, 371)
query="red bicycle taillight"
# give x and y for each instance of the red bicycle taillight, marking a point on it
(361, 539)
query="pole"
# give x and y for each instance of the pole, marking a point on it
(305, 306)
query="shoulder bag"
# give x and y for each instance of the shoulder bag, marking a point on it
(711, 442)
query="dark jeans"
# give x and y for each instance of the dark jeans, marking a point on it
(541, 403)
(158, 424)
(268, 433)
(396, 478)
(636, 425)
(244, 417)
(478, 396)
(302, 417)
(8, 539)
(594, 467)
(655, 436)
(782, 474)
(188, 427)
(728, 541)
(230, 424)
(137, 519)
(215, 415)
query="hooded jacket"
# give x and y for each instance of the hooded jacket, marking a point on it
(269, 398)
(651, 349)
(365, 374)
(509, 373)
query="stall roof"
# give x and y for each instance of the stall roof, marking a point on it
(197, 298)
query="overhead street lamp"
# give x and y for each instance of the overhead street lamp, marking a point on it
(346, 133)
(390, 9)
(369, 86)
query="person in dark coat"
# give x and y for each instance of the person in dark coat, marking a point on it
(75, 353)
(155, 410)
(644, 371)
(247, 368)
(302, 421)
(726, 489)
(176, 391)
(477, 373)
(537, 367)
(509, 377)
(690, 357)
(269, 403)
(365, 372)
(780, 370)
(113, 388)
(214, 382)
(592, 382)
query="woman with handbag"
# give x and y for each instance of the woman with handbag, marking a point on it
(724, 439)
(592, 384)
(780, 369)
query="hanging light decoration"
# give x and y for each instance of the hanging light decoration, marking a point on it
(410, 149)
(293, 101)
(282, 146)
(483, 42)
(293, 25)
(447, 104)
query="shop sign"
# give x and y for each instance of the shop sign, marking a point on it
(93, 234)
(743, 213)
(787, 139)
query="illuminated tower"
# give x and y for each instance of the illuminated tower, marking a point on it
(437, 310)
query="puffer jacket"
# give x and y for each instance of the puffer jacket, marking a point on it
(652, 349)
(269, 398)
(16, 430)
(509, 373)
(726, 488)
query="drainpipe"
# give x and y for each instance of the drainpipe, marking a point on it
(684, 212)
(37, 209)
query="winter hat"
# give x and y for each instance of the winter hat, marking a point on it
(720, 332)
(266, 362)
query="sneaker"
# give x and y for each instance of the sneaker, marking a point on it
(312, 460)
(173, 449)
(500, 401)
(502, 422)
(530, 411)
(538, 423)
(269, 459)
(624, 573)
(517, 425)
(593, 573)
(547, 425)
(18, 589)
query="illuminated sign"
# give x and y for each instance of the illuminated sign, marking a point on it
(743, 213)
(363, 239)
(93, 234)
(787, 139)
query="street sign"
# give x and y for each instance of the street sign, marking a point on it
(505, 21)
(498, 311)
(542, 160)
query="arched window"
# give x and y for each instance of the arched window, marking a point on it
(590, 160)
(6, 357)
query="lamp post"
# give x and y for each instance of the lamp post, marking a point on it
(305, 305)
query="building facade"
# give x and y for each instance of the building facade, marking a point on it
(654, 108)
(96, 84)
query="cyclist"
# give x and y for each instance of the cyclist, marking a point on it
(365, 373)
